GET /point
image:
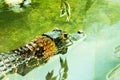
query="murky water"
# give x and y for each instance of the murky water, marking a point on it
(90, 59)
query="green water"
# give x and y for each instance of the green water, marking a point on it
(91, 60)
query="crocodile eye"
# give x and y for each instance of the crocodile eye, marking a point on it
(65, 35)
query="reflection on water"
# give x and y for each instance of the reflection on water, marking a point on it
(106, 41)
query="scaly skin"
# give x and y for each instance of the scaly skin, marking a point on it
(36, 52)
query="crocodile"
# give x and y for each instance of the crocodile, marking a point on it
(37, 51)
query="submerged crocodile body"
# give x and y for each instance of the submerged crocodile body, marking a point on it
(38, 51)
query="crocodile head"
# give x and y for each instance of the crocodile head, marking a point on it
(63, 39)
